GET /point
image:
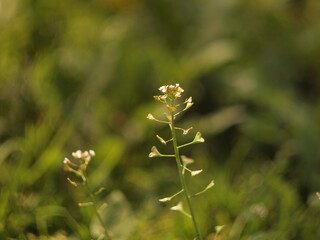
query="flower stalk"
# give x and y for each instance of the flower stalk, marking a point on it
(94, 201)
(182, 177)
(170, 93)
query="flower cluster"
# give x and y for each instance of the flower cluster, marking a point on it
(79, 165)
(175, 90)
(171, 92)
(85, 156)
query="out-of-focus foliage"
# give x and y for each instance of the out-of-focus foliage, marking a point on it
(80, 74)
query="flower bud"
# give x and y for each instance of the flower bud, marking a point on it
(92, 153)
(77, 154)
(72, 182)
(66, 161)
(161, 139)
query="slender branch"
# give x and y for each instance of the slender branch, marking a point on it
(182, 176)
(160, 121)
(93, 199)
(166, 199)
(177, 113)
(187, 144)
(164, 155)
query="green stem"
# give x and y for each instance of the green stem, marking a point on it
(187, 144)
(93, 199)
(182, 176)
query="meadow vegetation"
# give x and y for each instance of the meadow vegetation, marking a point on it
(80, 74)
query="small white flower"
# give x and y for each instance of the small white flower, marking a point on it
(87, 159)
(85, 154)
(163, 89)
(92, 153)
(66, 161)
(172, 90)
(77, 154)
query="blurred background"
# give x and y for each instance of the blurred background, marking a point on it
(78, 74)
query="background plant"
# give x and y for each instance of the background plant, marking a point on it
(79, 167)
(79, 73)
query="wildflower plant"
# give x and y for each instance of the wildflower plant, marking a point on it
(79, 166)
(170, 98)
